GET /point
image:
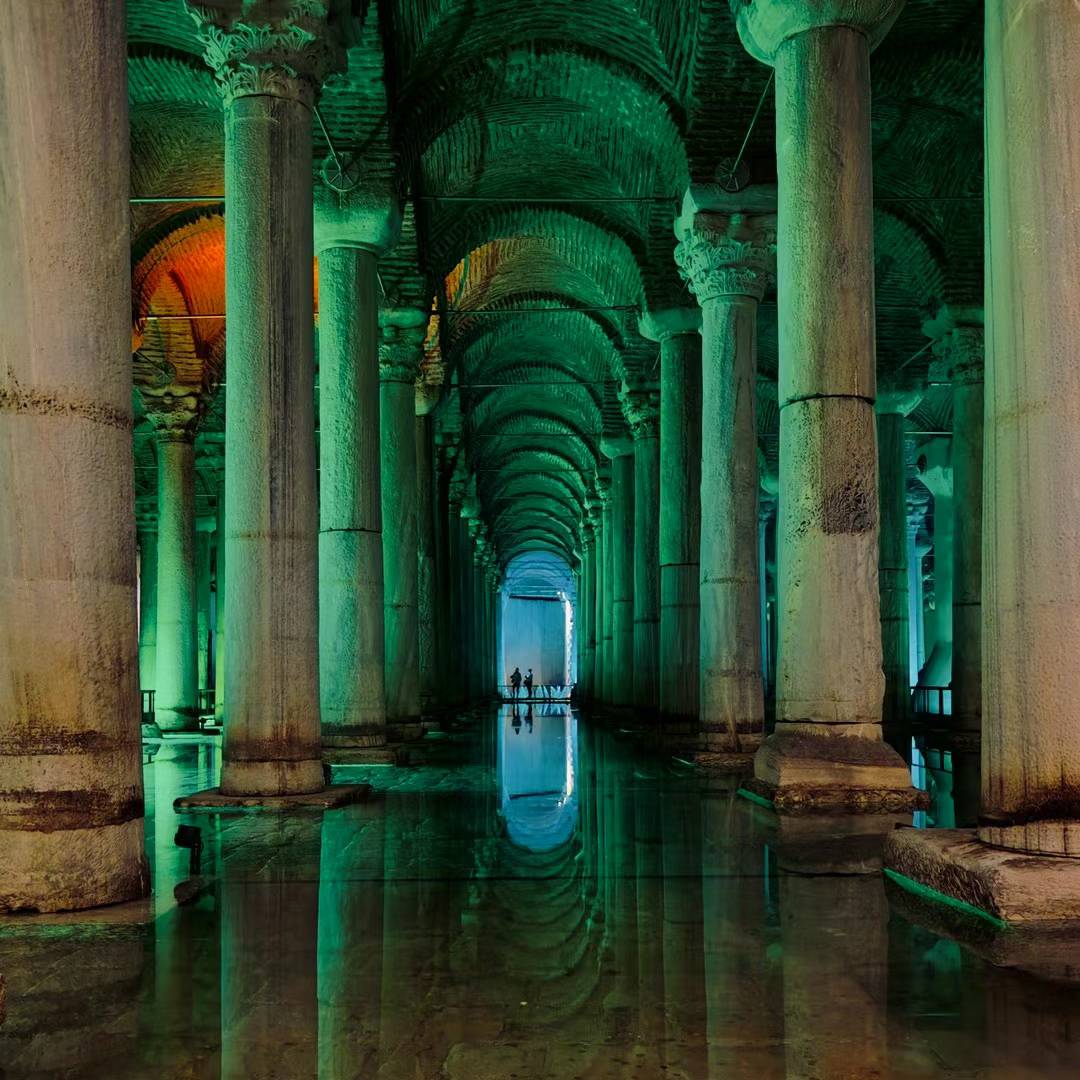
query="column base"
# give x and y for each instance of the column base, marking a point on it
(801, 772)
(241, 778)
(1006, 885)
(212, 800)
(724, 761)
(404, 729)
(73, 869)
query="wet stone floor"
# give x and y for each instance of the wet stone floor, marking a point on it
(532, 898)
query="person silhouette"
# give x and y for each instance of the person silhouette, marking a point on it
(529, 684)
(529, 718)
(515, 681)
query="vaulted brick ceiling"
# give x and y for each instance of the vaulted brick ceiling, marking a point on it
(542, 147)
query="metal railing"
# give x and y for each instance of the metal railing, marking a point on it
(148, 706)
(931, 701)
(542, 692)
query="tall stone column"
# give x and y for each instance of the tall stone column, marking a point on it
(641, 407)
(677, 331)
(177, 691)
(587, 609)
(399, 364)
(270, 61)
(936, 473)
(1031, 504)
(147, 536)
(455, 658)
(829, 682)
(960, 361)
(605, 623)
(351, 232)
(204, 546)
(892, 410)
(427, 598)
(621, 603)
(727, 260)
(219, 600)
(71, 791)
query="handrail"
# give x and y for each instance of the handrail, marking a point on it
(932, 700)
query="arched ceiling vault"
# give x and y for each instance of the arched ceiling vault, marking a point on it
(541, 148)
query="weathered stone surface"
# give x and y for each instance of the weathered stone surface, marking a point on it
(329, 798)
(1016, 887)
(71, 792)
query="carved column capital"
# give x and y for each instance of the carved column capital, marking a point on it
(728, 255)
(641, 408)
(959, 355)
(266, 48)
(174, 412)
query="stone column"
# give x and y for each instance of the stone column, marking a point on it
(892, 410)
(177, 691)
(621, 596)
(204, 543)
(605, 623)
(426, 585)
(587, 609)
(829, 682)
(219, 600)
(455, 658)
(960, 361)
(270, 62)
(147, 535)
(351, 232)
(71, 792)
(400, 354)
(677, 331)
(936, 473)
(1031, 503)
(642, 409)
(727, 258)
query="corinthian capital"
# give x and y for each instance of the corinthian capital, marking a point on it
(265, 47)
(728, 255)
(175, 412)
(401, 349)
(641, 408)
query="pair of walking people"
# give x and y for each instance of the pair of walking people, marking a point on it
(516, 682)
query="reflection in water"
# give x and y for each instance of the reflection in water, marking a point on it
(537, 900)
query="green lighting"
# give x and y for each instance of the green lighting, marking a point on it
(759, 799)
(916, 888)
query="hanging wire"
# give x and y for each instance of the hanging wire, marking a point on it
(749, 131)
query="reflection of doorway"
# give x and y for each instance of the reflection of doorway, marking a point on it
(537, 774)
(538, 620)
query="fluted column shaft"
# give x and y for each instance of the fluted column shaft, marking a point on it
(399, 362)
(177, 690)
(71, 791)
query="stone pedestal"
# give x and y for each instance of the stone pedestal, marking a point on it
(727, 260)
(829, 679)
(400, 354)
(680, 514)
(270, 66)
(71, 790)
(1024, 861)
